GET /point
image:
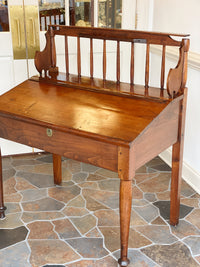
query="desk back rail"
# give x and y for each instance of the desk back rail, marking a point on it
(176, 80)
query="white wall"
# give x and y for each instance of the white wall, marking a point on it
(183, 17)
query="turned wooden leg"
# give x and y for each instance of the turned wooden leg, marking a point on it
(2, 207)
(125, 215)
(57, 169)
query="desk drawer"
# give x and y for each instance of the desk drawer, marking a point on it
(59, 142)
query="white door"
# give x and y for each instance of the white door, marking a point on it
(27, 24)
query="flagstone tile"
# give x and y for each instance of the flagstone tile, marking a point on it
(45, 204)
(137, 259)
(157, 184)
(41, 215)
(157, 233)
(80, 177)
(65, 229)
(85, 223)
(141, 177)
(94, 233)
(155, 161)
(196, 195)
(194, 243)
(159, 221)
(184, 229)
(163, 195)
(92, 204)
(9, 186)
(148, 212)
(170, 255)
(41, 230)
(92, 185)
(95, 177)
(12, 208)
(139, 202)
(164, 207)
(89, 247)
(33, 194)
(136, 219)
(78, 201)
(22, 184)
(109, 199)
(46, 168)
(15, 256)
(64, 194)
(88, 167)
(20, 163)
(8, 173)
(105, 262)
(163, 167)
(191, 202)
(11, 221)
(36, 179)
(50, 252)
(45, 158)
(6, 163)
(72, 165)
(107, 173)
(193, 217)
(107, 218)
(74, 211)
(137, 193)
(16, 197)
(12, 236)
(151, 197)
(112, 238)
(186, 189)
(110, 185)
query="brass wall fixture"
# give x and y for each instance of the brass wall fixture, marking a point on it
(24, 43)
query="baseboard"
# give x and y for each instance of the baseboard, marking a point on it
(191, 176)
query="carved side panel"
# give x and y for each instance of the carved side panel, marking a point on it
(177, 77)
(46, 59)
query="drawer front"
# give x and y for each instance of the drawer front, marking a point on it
(58, 142)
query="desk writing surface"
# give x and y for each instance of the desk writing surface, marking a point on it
(97, 114)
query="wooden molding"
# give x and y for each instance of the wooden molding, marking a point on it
(172, 53)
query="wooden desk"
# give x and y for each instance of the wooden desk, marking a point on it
(109, 129)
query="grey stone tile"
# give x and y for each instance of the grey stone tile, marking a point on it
(151, 197)
(170, 255)
(33, 194)
(12, 236)
(39, 180)
(164, 207)
(15, 256)
(148, 212)
(157, 233)
(89, 247)
(80, 177)
(45, 204)
(8, 173)
(194, 243)
(11, 221)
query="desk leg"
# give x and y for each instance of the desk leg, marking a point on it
(177, 160)
(125, 215)
(57, 169)
(2, 207)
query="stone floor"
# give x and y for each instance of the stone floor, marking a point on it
(77, 224)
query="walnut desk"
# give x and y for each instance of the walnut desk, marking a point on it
(98, 121)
